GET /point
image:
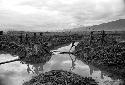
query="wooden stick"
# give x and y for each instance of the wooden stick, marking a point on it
(9, 61)
(66, 53)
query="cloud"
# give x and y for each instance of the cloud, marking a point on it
(92, 10)
(60, 14)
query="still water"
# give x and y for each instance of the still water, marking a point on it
(16, 73)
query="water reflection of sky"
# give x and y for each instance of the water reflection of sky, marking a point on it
(16, 73)
(12, 73)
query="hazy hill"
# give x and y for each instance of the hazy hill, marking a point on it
(114, 25)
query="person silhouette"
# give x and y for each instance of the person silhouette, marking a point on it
(103, 37)
(73, 44)
(91, 37)
(28, 68)
(27, 39)
(1, 32)
(21, 38)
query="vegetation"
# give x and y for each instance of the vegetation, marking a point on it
(33, 47)
(107, 55)
(104, 50)
(60, 77)
(26, 55)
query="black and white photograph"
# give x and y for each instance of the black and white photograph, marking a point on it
(62, 42)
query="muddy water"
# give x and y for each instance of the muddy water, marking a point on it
(16, 73)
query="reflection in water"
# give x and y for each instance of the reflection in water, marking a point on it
(13, 73)
(37, 68)
(16, 73)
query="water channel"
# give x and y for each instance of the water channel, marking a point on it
(16, 73)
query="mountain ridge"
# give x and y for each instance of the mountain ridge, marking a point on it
(117, 25)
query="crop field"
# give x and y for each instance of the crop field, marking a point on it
(104, 52)
(102, 49)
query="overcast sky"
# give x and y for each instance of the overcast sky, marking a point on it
(58, 14)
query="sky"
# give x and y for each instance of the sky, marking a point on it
(43, 15)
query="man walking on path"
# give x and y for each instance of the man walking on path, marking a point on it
(73, 44)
